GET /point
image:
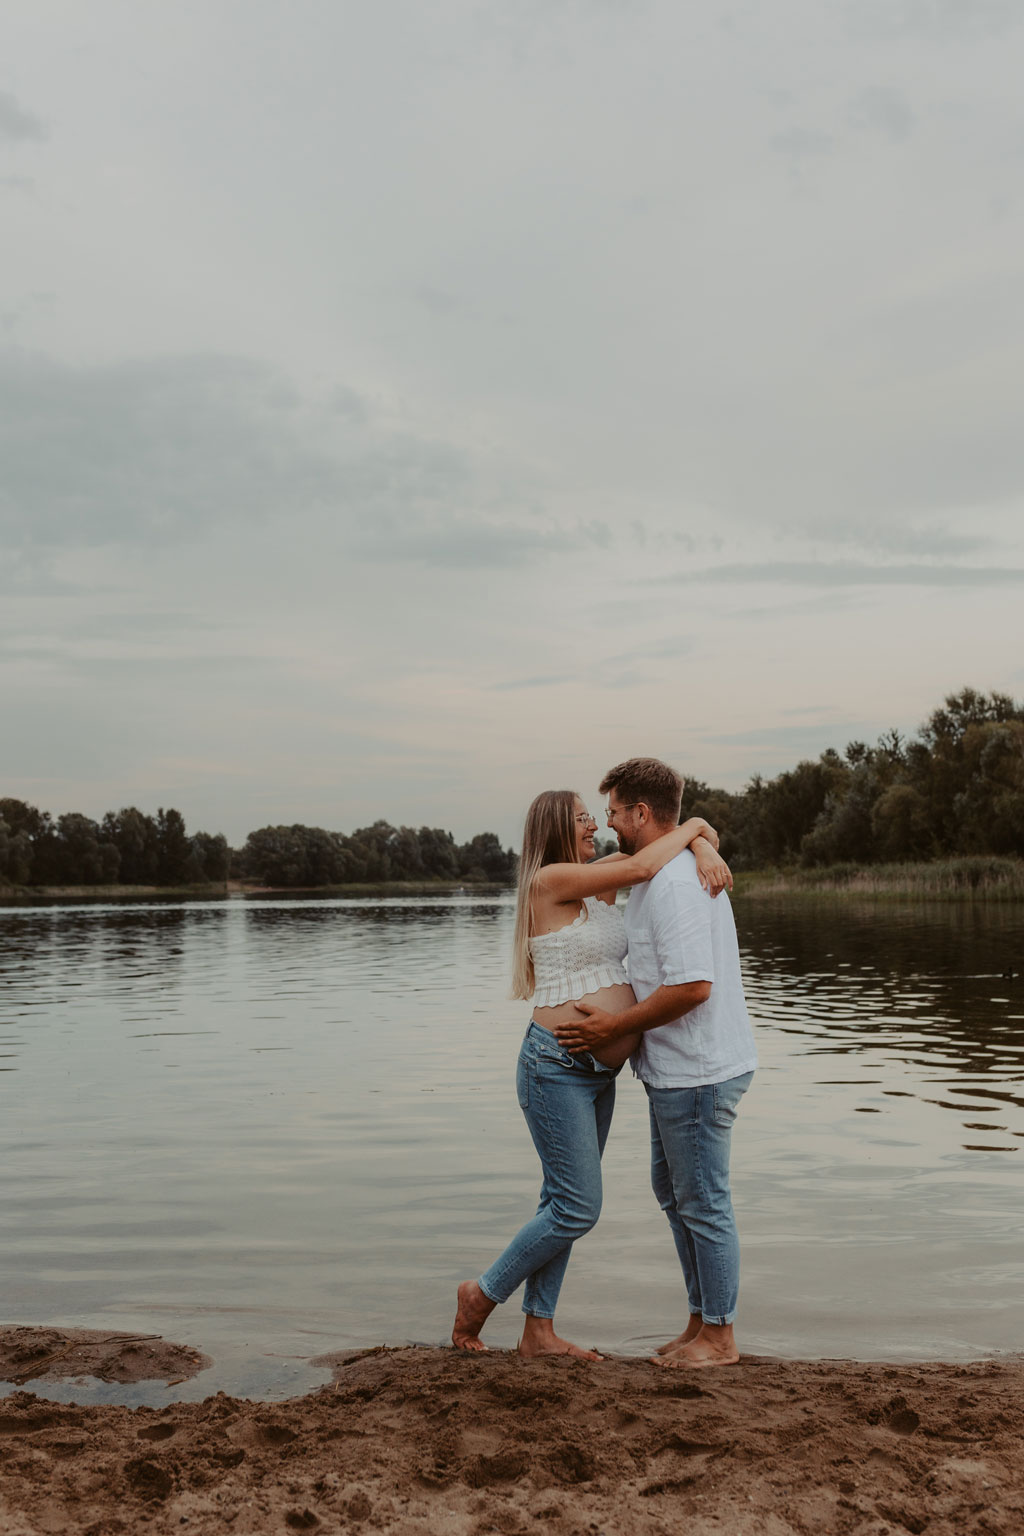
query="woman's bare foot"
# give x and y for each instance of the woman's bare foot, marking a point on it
(693, 1327)
(539, 1338)
(473, 1310)
(714, 1345)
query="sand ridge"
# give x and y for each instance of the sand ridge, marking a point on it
(56, 1354)
(415, 1440)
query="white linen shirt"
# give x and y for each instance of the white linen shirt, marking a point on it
(678, 934)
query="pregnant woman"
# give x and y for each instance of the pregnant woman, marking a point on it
(569, 944)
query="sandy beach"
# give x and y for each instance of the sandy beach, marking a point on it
(410, 1441)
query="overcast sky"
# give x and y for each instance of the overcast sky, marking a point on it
(406, 407)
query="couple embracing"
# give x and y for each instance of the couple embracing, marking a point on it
(680, 1014)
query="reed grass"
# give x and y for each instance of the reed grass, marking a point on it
(977, 877)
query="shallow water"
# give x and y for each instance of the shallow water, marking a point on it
(276, 1128)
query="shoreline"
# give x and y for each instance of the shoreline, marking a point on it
(984, 879)
(240, 890)
(418, 1440)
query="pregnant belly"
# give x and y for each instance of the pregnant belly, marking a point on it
(612, 1000)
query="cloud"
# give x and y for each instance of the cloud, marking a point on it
(883, 111)
(848, 573)
(790, 738)
(933, 20)
(904, 539)
(161, 622)
(110, 670)
(628, 668)
(655, 650)
(437, 301)
(161, 451)
(149, 451)
(460, 544)
(555, 680)
(800, 144)
(624, 669)
(17, 125)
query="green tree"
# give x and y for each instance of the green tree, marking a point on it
(439, 853)
(987, 808)
(211, 855)
(35, 835)
(136, 838)
(780, 813)
(719, 808)
(15, 855)
(900, 824)
(80, 857)
(484, 858)
(173, 848)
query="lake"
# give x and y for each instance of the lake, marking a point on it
(272, 1128)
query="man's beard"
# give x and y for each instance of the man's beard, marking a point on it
(627, 844)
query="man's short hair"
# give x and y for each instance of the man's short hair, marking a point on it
(649, 780)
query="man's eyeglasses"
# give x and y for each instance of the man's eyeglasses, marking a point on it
(585, 819)
(613, 810)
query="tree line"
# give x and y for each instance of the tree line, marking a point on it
(957, 787)
(130, 848)
(308, 856)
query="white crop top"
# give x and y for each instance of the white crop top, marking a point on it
(580, 958)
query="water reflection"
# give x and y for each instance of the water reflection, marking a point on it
(272, 1127)
(922, 990)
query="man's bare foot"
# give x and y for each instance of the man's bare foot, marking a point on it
(714, 1345)
(693, 1327)
(474, 1309)
(539, 1338)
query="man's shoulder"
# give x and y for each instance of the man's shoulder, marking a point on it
(676, 889)
(680, 871)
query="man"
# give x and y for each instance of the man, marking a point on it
(696, 1056)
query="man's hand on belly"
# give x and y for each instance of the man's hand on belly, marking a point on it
(598, 1028)
(595, 1029)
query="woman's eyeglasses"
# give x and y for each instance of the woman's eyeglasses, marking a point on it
(585, 819)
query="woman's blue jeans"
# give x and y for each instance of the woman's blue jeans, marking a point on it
(568, 1103)
(691, 1133)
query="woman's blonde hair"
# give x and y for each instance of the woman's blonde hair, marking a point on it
(549, 837)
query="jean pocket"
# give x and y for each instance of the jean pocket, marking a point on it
(523, 1084)
(544, 1050)
(555, 1060)
(726, 1097)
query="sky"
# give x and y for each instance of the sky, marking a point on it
(406, 408)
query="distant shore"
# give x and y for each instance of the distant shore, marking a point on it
(217, 890)
(982, 878)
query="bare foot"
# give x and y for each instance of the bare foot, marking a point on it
(713, 1344)
(557, 1346)
(693, 1327)
(539, 1338)
(700, 1353)
(474, 1309)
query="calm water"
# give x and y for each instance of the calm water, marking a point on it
(276, 1128)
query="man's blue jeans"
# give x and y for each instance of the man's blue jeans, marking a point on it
(691, 1132)
(568, 1103)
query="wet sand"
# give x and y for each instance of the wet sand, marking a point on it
(427, 1440)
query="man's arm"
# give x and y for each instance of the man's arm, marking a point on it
(598, 1028)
